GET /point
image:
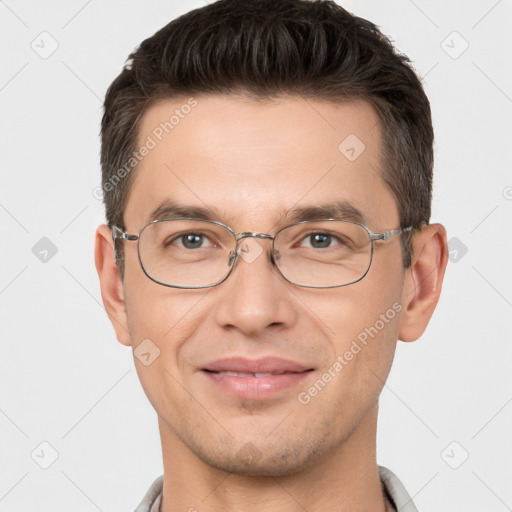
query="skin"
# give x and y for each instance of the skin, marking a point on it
(249, 161)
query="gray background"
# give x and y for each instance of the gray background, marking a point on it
(65, 380)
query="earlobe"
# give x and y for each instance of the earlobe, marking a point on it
(423, 281)
(112, 290)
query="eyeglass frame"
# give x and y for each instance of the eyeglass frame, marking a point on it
(233, 259)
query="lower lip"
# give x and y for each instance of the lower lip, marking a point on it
(255, 388)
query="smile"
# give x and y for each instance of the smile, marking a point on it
(246, 374)
(255, 379)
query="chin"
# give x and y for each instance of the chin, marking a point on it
(254, 461)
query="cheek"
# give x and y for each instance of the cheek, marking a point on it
(373, 304)
(160, 322)
(154, 311)
(364, 321)
(162, 319)
(365, 337)
(364, 347)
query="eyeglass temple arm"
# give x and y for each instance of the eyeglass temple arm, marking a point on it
(118, 233)
(390, 233)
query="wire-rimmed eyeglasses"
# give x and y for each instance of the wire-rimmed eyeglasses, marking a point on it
(196, 253)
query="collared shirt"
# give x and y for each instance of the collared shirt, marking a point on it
(393, 488)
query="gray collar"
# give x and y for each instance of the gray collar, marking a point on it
(391, 485)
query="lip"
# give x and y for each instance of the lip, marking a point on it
(278, 376)
(262, 365)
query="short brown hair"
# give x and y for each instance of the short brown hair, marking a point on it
(265, 48)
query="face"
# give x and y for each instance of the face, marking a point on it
(249, 163)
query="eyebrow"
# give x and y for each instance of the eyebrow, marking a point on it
(339, 210)
(168, 209)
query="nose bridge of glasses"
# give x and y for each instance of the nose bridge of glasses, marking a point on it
(249, 234)
(241, 236)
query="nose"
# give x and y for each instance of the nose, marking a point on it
(255, 297)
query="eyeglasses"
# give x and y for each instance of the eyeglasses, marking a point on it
(195, 253)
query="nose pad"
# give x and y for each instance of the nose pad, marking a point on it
(233, 256)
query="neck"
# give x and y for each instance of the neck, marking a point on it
(344, 480)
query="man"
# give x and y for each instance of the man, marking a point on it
(267, 174)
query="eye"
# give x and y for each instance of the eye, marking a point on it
(320, 240)
(192, 240)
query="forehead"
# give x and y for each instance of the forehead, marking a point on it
(252, 161)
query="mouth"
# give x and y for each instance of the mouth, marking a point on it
(248, 374)
(255, 379)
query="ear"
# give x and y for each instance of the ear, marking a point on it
(423, 280)
(111, 284)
